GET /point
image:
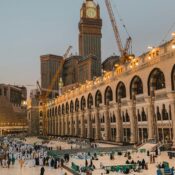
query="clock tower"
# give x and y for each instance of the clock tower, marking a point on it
(90, 26)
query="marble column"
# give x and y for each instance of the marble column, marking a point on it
(107, 124)
(97, 124)
(89, 125)
(82, 124)
(151, 128)
(119, 124)
(171, 96)
(133, 121)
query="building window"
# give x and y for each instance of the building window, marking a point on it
(164, 113)
(156, 81)
(158, 114)
(120, 91)
(144, 118)
(136, 87)
(139, 116)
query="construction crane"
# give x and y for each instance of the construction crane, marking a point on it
(44, 97)
(44, 89)
(124, 51)
(55, 78)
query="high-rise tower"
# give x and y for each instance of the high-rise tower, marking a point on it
(90, 26)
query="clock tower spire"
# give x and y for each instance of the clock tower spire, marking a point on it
(90, 26)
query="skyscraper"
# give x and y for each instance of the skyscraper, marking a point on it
(49, 66)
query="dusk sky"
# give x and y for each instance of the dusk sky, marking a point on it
(30, 28)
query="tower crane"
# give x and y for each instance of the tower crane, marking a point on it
(124, 51)
(58, 72)
(44, 97)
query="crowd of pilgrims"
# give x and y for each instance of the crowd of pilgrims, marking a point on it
(27, 155)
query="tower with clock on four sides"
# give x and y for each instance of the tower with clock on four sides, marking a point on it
(90, 26)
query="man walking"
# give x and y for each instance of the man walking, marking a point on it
(42, 171)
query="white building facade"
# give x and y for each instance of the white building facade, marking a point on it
(133, 103)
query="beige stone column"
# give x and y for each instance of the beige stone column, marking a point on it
(119, 123)
(54, 125)
(66, 124)
(82, 124)
(97, 124)
(71, 124)
(56, 122)
(50, 126)
(151, 128)
(107, 123)
(59, 125)
(171, 96)
(62, 125)
(133, 121)
(89, 124)
(76, 124)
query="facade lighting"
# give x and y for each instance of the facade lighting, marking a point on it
(150, 47)
(173, 45)
(173, 34)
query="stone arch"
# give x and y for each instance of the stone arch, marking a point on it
(173, 78)
(144, 116)
(63, 110)
(98, 98)
(59, 110)
(41, 114)
(108, 95)
(136, 86)
(50, 113)
(77, 105)
(120, 91)
(114, 118)
(156, 81)
(165, 115)
(71, 106)
(67, 108)
(127, 117)
(53, 112)
(56, 111)
(83, 103)
(89, 101)
(158, 114)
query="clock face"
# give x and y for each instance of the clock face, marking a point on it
(91, 13)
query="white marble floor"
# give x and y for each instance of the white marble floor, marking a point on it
(15, 170)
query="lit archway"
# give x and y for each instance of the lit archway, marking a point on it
(108, 95)
(156, 81)
(120, 91)
(136, 87)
